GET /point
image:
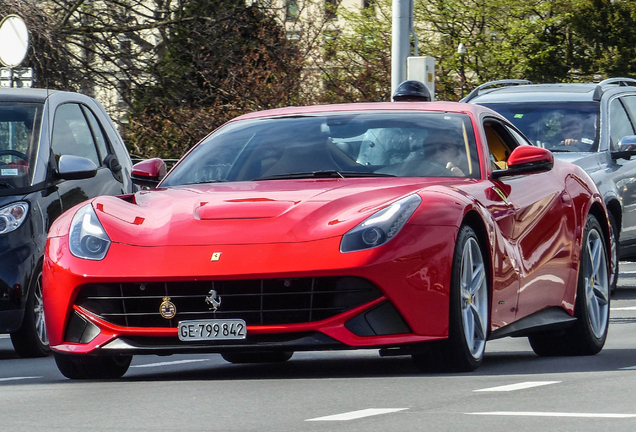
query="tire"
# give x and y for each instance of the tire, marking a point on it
(257, 357)
(614, 242)
(464, 349)
(588, 335)
(31, 340)
(87, 367)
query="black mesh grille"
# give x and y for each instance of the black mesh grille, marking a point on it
(257, 301)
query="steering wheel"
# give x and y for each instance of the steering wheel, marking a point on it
(14, 153)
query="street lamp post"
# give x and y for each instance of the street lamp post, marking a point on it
(461, 50)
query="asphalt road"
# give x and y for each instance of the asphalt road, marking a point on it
(514, 390)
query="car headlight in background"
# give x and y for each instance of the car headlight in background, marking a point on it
(381, 227)
(88, 239)
(12, 216)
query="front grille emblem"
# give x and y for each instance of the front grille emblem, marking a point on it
(167, 309)
(214, 300)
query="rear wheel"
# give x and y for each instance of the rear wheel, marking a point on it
(588, 335)
(31, 339)
(257, 357)
(87, 367)
(468, 313)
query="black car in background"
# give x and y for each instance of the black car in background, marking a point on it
(592, 125)
(57, 149)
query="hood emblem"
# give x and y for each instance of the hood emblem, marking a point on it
(167, 309)
(214, 300)
(216, 256)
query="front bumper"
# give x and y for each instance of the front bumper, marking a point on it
(412, 273)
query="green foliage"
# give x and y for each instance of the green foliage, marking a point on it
(222, 59)
(539, 40)
(357, 64)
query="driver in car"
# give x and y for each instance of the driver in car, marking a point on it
(445, 151)
(573, 132)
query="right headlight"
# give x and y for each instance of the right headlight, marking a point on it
(12, 216)
(381, 227)
(88, 239)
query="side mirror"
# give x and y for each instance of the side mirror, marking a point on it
(148, 173)
(526, 160)
(70, 167)
(626, 148)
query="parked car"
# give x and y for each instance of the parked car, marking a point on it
(57, 149)
(591, 125)
(381, 225)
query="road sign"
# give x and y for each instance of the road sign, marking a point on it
(14, 41)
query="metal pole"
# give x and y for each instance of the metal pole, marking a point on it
(400, 44)
(462, 73)
(10, 77)
(461, 50)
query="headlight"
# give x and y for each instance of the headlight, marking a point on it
(12, 216)
(381, 227)
(88, 239)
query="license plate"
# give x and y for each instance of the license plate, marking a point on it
(213, 329)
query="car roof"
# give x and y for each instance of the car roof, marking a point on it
(452, 107)
(25, 94)
(539, 93)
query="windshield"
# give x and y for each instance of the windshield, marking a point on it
(558, 126)
(19, 135)
(368, 144)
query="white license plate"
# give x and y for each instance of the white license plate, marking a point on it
(212, 329)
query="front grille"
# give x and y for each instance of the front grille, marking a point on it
(257, 301)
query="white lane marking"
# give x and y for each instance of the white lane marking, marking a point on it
(629, 308)
(519, 386)
(357, 414)
(628, 368)
(169, 363)
(19, 378)
(553, 414)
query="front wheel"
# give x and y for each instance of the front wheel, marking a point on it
(614, 242)
(588, 335)
(31, 339)
(468, 312)
(87, 367)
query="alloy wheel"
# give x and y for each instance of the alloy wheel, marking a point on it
(38, 313)
(474, 297)
(596, 283)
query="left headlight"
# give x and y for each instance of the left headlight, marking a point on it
(88, 239)
(381, 227)
(12, 216)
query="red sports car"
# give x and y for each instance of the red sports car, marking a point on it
(420, 229)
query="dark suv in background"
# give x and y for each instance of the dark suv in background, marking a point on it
(57, 149)
(591, 125)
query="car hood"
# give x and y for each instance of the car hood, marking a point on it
(589, 161)
(279, 211)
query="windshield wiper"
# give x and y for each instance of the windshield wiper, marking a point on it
(6, 185)
(204, 182)
(323, 174)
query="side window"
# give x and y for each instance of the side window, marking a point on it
(620, 125)
(500, 144)
(519, 138)
(630, 104)
(71, 134)
(98, 133)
